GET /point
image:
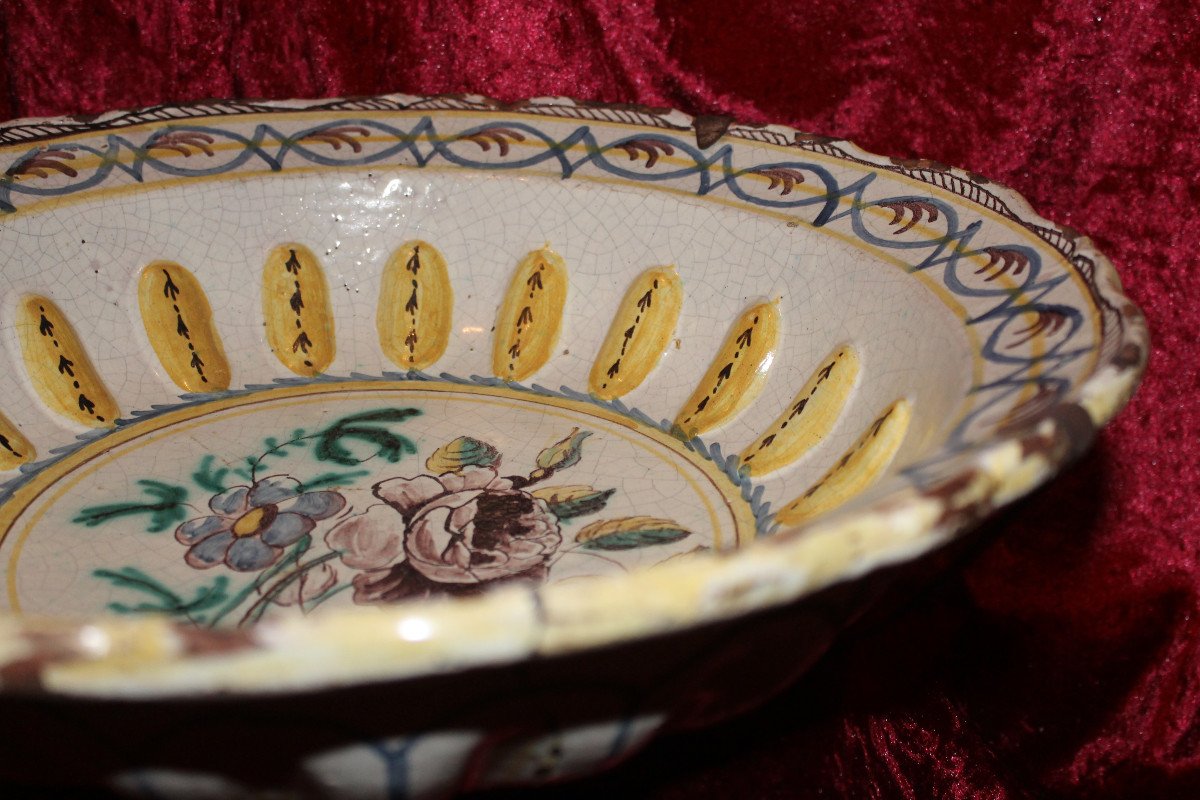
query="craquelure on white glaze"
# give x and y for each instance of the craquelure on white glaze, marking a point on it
(1004, 456)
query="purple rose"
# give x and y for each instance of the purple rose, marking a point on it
(454, 534)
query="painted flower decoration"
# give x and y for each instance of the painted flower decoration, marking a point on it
(309, 585)
(459, 528)
(250, 525)
(454, 532)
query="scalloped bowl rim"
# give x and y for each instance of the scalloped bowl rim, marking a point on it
(152, 657)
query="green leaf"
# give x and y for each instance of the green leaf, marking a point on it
(564, 453)
(168, 510)
(628, 533)
(207, 479)
(332, 479)
(368, 427)
(568, 502)
(208, 596)
(162, 600)
(277, 449)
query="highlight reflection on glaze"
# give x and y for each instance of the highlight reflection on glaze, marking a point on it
(296, 310)
(737, 373)
(59, 367)
(416, 305)
(858, 468)
(640, 332)
(808, 418)
(529, 320)
(179, 324)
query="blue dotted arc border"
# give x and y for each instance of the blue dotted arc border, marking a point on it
(950, 256)
(751, 493)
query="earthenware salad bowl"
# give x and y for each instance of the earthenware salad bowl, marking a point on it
(396, 446)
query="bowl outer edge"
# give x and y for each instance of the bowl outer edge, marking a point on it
(147, 658)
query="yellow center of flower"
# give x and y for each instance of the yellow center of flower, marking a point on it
(249, 522)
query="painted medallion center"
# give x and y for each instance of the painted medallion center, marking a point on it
(288, 500)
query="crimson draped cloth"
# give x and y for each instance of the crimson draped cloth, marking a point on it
(1060, 658)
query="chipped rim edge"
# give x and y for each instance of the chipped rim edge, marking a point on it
(155, 658)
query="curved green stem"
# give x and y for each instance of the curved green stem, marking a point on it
(264, 576)
(576, 549)
(332, 592)
(255, 612)
(277, 448)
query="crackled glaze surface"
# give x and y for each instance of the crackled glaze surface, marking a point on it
(359, 492)
(804, 302)
(305, 398)
(253, 304)
(235, 281)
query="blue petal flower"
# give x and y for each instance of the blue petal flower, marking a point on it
(210, 551)
(286, 529)
(231, 501)
(194, 530)
(316, 505)
(249, 554)
(274, 489)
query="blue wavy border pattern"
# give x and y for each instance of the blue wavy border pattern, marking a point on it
(188, 151)
(764, 524)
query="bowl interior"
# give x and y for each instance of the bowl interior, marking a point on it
(266, 364)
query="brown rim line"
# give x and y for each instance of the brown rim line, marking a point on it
(891, 524)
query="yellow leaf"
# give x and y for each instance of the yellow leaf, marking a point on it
(630, 532)
(736, 374)
(562, 494)
(462, 452)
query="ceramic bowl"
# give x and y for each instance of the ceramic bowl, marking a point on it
(396, 446)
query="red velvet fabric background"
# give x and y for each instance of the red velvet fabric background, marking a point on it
(1064, 659)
